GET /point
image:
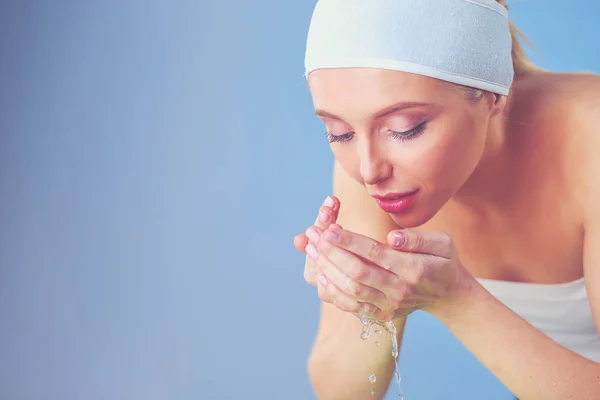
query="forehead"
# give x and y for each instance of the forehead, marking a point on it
(371, 88)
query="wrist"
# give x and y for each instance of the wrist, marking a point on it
(456, 305)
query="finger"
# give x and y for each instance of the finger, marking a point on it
(328, 212)
(310, 275)
(310, 268)
(379, 254)
(348, 285)
(312, 235)
(330, 209)
(354, 267)
(432, 243)
(330, 293)
(363, 280)
(322, 283)
(300, 242)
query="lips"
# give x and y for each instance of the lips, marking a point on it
(396, 202)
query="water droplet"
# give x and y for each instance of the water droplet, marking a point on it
(389, 327)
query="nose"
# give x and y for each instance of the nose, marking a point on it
(374, 166)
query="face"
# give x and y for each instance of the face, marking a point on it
(402, 134)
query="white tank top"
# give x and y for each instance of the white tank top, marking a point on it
(561, 311)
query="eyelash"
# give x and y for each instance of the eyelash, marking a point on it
(403, 136)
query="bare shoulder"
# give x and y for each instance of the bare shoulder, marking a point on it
(555, 121)
(576, 112)
(575, 95)
(563, 110)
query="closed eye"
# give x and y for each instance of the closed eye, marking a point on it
(401, 135)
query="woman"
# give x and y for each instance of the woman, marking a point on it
(465, 185)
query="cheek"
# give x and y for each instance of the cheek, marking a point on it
(445, 159)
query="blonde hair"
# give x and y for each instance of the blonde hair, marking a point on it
(521, 63)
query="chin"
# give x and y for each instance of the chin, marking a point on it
(412, 219)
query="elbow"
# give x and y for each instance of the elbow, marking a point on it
(312, 369)
(315, 372)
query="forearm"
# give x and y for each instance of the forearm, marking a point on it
(340, 365)
(529, 363)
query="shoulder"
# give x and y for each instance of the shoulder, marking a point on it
(559, 113)
(564, 107)
(550, 90)
(573, 104)
(577, 95)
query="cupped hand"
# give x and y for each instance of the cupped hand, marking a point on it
(412, 271)
(327, 216)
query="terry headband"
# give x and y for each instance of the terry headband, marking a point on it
(466, 42)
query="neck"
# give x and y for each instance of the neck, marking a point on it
(490, 182)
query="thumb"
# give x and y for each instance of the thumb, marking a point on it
(433, 243)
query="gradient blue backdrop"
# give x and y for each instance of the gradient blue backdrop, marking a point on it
(156, 160)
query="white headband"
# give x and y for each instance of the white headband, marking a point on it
(467, 42)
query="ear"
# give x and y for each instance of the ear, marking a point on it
(499, 102)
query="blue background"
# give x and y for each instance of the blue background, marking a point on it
(156, 160)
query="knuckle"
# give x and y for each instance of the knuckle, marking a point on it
(376, 252)
(418, 272)
(445, 239)
(411, 264)
(358, 272)
(354, 288)
(323, 296)
(324, 247)
(343, 238)
(418, 241)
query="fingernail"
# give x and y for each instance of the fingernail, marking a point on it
(331, 237)
(323, 217)
(323, 280)
(398, 239)
(329, 202)
(313, 235)
(312, 251)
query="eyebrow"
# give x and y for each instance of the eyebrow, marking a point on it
(386, 111)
